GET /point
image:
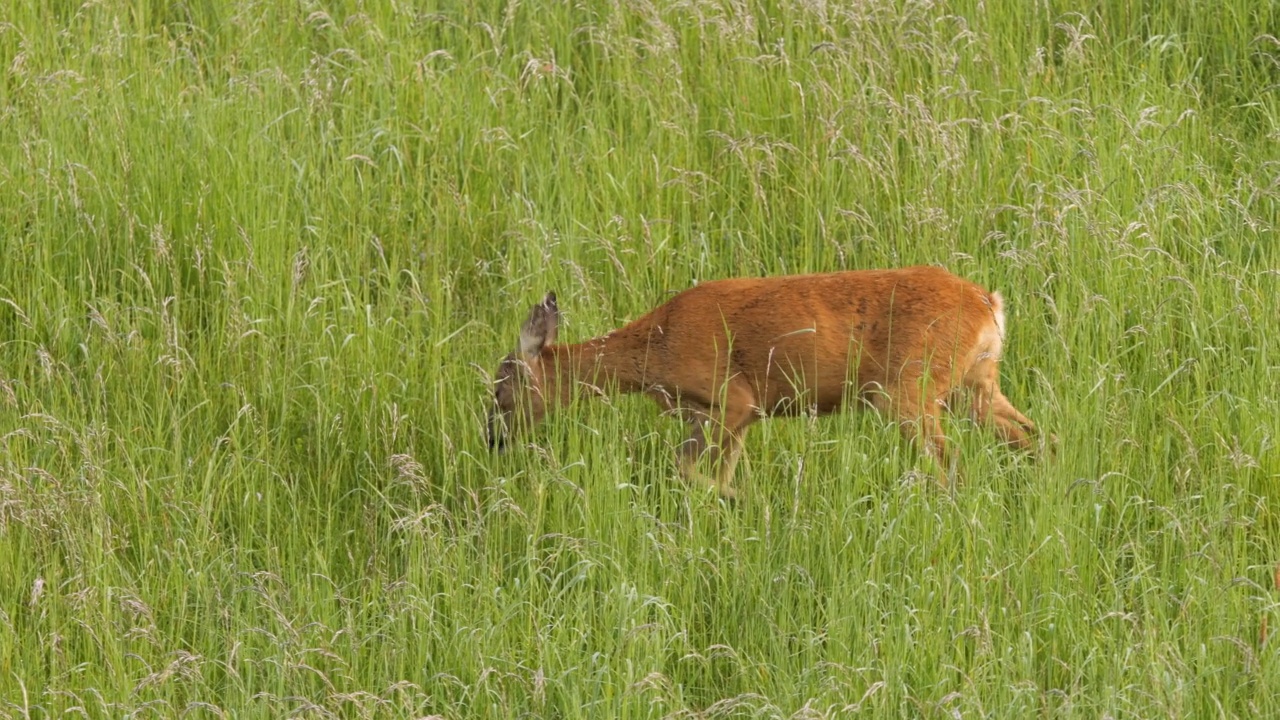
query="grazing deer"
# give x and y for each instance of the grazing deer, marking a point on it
(726, 353)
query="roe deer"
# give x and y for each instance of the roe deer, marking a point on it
(726, 353)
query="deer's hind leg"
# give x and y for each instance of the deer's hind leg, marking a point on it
(921, 421)
(990, 407)
(918, 414)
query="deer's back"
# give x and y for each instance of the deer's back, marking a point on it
(800, 340)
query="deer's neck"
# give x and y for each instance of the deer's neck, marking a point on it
(600, 365)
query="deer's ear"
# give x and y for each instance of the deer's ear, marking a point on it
(539, 330)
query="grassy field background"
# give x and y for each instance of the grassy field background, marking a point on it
(259, 258)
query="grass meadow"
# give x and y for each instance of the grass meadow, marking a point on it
(259, 259)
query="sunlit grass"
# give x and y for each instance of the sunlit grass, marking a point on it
(259, 258)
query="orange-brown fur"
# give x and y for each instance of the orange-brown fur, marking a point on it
(729, 352)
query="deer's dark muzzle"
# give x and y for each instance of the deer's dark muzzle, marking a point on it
(497, 443)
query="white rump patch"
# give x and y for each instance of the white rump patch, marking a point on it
(991, 339)
(997, 309)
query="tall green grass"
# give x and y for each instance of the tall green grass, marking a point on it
(259, 257)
